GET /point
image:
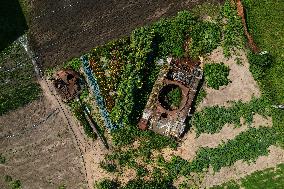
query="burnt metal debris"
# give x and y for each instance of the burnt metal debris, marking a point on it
(67, 84)
(183, 73)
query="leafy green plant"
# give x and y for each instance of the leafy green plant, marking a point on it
(16, 184)
(205, 37)
(216, 75)
(200, 96)
(141, 171)
(79, 114)
(174, 97)
(74, 64)
(170, 34)
(259, 63)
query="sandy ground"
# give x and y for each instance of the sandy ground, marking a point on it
(242, 87)
(240, 169)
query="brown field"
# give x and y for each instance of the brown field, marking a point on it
(59, 31)
(39, 148)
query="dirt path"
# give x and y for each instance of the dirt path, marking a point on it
(240, 169)
(92, 152)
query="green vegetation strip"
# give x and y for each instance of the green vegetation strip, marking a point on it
(216, 75)
(212, 119)
(247, 146)
(270, 178)
(78, 111)
(18, 82)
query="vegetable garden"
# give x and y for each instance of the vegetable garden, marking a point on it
(121, 75)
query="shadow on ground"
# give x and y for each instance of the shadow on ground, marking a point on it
(12, 22)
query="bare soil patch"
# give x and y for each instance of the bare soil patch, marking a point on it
(242, 87)
(60, 30)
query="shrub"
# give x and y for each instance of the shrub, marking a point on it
(259, 63)
(79, 114)
(216, 75)
(110, 167)
(174, 97)
(206, 37)
(16, 184)
(74, 64)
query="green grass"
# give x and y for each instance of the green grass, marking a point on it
(265, 22)
(271, 178)
(18, 82)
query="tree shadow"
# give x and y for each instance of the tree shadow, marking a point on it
(12, 22)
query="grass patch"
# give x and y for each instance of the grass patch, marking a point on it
(268, 178)
(18, 82)
(268, 33)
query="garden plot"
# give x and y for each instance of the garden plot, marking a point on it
(121, 75)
